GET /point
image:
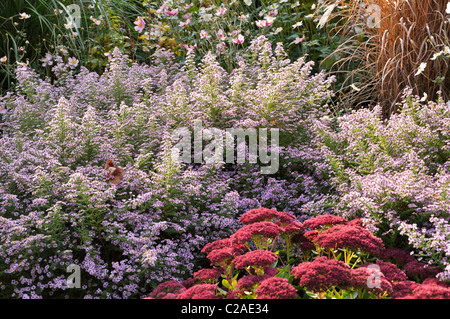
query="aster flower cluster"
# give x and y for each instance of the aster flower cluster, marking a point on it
(397, 179)
(58, 207)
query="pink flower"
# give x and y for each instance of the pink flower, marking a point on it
(96, 21)
(221, 34)
(161, 8)
(398, 256)
(416, 268)
(403, 289)
(47, 60)
(293, 227)
(204, 34)
(248, 282)
(276, 288)
(239, 40)
(269, 21)
(223, 256)
(188, 47)
(173, 12)
(299, 40)
(221, 11)
(140, 24)
(183, 24)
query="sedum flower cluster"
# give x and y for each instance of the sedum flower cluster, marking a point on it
(250, 271)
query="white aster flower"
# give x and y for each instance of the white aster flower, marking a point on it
(421, 68)
(24, 16)
(298, 24)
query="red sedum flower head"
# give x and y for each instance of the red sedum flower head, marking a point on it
(366, 278)
(198, 292)
(276, 288)
(221, 243)
(259, 215)
(167, 289)
(255, 258)
(430, 291)
(390, 271)
(322, 274)
(263, 229)
(323, 221)
(293, 227)
(207, 275)
(421, 270)
(352, 237)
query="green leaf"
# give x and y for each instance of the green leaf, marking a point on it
(226, 284)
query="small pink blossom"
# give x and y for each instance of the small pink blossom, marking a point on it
(47, 60)
(185, 23)
(172, 12)
(140, 24)
(204, 34)
(221, 34)
(239, 40)
(96, 21)
(299, 40)
(221, 11)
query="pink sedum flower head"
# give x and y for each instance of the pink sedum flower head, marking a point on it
(140, 24)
